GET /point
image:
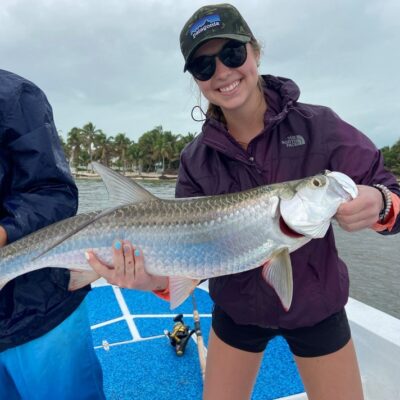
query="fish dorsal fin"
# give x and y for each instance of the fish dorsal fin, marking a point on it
(122, 190)
(278, 273)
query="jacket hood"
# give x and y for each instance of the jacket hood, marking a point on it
(287, 89)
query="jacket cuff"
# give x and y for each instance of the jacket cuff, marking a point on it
(163, 294)
(392, 216)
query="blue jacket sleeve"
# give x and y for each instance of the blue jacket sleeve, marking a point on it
(37, 188)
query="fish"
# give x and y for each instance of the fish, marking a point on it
(189, 239)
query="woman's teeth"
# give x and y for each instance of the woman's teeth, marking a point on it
(230, 87)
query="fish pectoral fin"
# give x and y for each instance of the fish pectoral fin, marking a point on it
(80, 278)
(277, 272)
(180, 289)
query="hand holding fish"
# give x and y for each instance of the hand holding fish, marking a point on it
(127, 269)
(3, 236)
(361, 212)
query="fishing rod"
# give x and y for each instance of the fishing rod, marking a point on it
(181, 333)
(200, 342)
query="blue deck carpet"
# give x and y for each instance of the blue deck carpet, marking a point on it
(145, 367)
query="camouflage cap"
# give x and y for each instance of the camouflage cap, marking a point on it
(211, 22)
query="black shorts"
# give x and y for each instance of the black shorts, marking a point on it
(324, 338)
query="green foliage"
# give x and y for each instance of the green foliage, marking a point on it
(155, 150)
(391, 157)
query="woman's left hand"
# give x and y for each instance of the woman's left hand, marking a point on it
(361, 212)
(128, 269)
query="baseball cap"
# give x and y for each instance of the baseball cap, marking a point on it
(212, 22)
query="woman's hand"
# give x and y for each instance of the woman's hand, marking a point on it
(361, 212)
(128, 269)
(3, 236)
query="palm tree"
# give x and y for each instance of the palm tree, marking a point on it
(164, 148)
(89, 132)
(135, 155)
(121, 145)
(74, 143)
(104, 148)
(147, 144)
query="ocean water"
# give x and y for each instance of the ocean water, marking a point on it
(373, 260)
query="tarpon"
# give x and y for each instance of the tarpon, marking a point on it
(190, 239)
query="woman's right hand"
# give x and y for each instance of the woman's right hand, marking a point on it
(128, 269)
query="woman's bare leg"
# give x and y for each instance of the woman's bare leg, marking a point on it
(335, 376)
(230, 373)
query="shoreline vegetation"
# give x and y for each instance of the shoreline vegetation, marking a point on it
(155, 151)
(132, 175)
(138, 176)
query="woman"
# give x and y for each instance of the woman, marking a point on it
(256, 132)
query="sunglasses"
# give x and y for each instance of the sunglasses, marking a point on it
(232, 55)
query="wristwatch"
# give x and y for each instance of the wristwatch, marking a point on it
(387, 201)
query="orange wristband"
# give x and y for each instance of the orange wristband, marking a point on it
(392, 216)
(163, 294)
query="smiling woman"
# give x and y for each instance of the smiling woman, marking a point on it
(257, 132)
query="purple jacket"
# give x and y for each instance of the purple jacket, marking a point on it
(298, 140)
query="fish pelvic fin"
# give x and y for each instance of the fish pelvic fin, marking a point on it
(81, 278)
(180, 289)
(277, 272)
(121, 189)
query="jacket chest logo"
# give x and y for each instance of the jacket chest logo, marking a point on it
(294, 141)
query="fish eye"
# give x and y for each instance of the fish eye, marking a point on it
(318, 182)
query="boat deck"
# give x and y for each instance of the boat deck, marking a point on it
(139, 362)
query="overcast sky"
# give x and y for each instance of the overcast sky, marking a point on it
(117, 63)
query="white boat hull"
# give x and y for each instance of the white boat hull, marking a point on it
(376, 337)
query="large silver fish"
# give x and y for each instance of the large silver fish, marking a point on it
(190, 239)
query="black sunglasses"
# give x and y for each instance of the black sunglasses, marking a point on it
(233, 55)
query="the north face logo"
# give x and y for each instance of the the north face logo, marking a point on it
(294, 141)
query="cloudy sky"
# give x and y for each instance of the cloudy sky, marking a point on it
(117, 63)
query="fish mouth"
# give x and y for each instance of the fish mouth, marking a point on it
(345, 183)
(287, 231)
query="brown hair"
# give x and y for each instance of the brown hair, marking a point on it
(214, 111)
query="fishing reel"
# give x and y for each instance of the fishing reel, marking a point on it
(180, 335)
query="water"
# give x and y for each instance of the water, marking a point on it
(373, 260)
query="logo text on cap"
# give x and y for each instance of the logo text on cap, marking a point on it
(207, 22)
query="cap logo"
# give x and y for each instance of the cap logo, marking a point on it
(209, 21)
